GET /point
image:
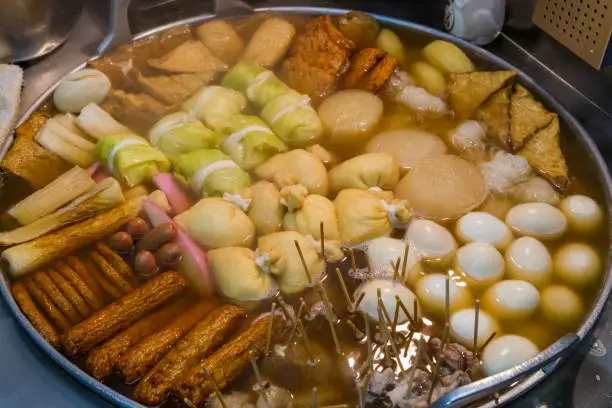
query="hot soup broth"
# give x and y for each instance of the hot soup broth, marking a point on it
(379, 191)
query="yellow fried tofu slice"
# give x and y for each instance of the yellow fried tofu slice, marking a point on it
(527, 116)
(173, 89)
(544, 154)
(495, 113)
(468, 91)
(190, 57)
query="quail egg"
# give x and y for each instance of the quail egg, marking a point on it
(431, 240)
(505, 352)
(577, 264)
(431, 291)
(529, 260)
(462, 327)
(388, 290)
(511, 300)
(480, 264)
(561, 306)
(480, 226)
(583, 213)
(538, 220)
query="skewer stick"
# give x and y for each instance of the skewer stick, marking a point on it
(359, 394)
(215, 386)
(353, 261)
(396, 268)
(407, 343)
(260, 383)
(436, 376)
(404, 263)
(415, 309)
(321, 230)
(270, 326)
(314, 397)
(359, 300)
(395, 316)
(398, 301)
(306, 271)
(358, 332)
(300, 326)
(447, 298)
(383, 307)
(347, 297)
(297, 317)
(476, 315)
(415, 365)
(188, 402)
(486, 343)
(329, 315)
(368, 330)
(383, 320)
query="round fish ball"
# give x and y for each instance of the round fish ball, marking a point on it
(431, 291)
(511, 300)
(388, 290)
(408, 146)
(383, 253)
(480, 226)
(577, 264)
(505, 352)
(561, 306)
(430, 240)
(349, 116)
(462, 327)
(529, 260)
(81, 88)
(480, 264)
(443, 187)
(583, 213)
(538, 220)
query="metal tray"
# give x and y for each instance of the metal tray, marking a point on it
(506, 385)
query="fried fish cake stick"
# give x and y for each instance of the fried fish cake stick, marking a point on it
(38, 320)
(136, 362)
(47, 306)
(44, 282)
(116, 261)
(110, 273)
(121, 313)
(78, 284)
(225, 364)
(78, 267)
(102, 360)
(207, 335)
(107, 287)
(70, 293)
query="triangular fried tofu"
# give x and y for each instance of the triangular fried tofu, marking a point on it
(173, 89)
(527, 116)
(495, 113)
(544, 154)
(468, 91)
(189, 57)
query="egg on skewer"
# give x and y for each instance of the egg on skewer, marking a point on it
(529, 260)
(511, 300)
(505, 352)
(561, 306)
(538, 220)
(583, 213)
(462, 327)
(577, 265)
(388, 290)
(383, 253)
(431, 291)
(480, 226)
(480, 264)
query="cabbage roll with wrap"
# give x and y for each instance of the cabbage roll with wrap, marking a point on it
(214, 104)
(180, 133)
(211, 172)
(130, 158)
(293, 120)
(248, 141)
(258, 84)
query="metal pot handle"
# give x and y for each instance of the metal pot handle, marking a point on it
(487, 386)
(118, 28)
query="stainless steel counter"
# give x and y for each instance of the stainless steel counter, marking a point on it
(29, 379)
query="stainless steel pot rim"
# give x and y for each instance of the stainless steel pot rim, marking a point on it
(549, 358)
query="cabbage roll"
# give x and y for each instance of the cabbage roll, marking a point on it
(237, 276)
(130, 158)
(249, 141)
(364, 172)
(211, 172)
(296, 167)
(215, 223)
(214, 104)
(293, 120)
(180, 133)
(277, 254)
(258, 84)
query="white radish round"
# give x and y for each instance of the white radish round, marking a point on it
(431, 291)
(583, 213)
(480, 226)
(480, 264)
(577, 264)
(505, 352)
(529, 260)
(511, 300)
(562, 307)
(431, 241)
(538, 220)
(388, 290)
(462, 327)
(81, 88)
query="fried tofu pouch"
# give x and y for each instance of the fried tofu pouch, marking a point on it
(527, 116)
(370, 170)
(270, 42)
(470, 90)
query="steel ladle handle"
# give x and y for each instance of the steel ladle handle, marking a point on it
(487, 386)
(118, 28)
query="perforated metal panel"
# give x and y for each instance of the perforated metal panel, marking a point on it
(583, 26)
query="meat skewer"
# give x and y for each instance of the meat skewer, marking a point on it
(34, 315)
(121, 313)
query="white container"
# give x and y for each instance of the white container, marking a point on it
(477, 21)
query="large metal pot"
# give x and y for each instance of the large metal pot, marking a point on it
(510, 383)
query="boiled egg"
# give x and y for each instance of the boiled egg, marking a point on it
(431, 240)
(583, 213)
(538, 220)
(81, 88)
(480, 264)
(511, 300)
(505, 352)
(480, 226)
(561, 306)
(383, 253)
(388, 290)
(529, 260)
(462, 327)
(431, 291)
(577, 264)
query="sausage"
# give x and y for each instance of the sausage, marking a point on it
(121, 313)
(44, 282)
(135, 363)
(79, 284)
(34, 315)
(116, 261)
(107, 287)
(158, 236)
(110, 273)
(101, 361)
(48, 307)
(70, 293)
(79, 267)
(225, 364)
(207, 335)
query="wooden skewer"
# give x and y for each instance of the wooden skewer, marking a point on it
(486, 343)
(353, 261)
(306, 271)
(476, 315)
(407, 343)
(395, 316)
(383, 320)
(396, 268)
(358, 332)
(359, 394)
(215, 386)
(260, 383)
(415, 365)
(358, 302)
(270, 326)
(347, 297)
(415, 308)
(368, 333)
(438, 364)
(398, 301)
(298, 317)
(188, 402)
(404, 263)
(301, 328)
(321, 231)
(329, 315)
(314, 397)
(447, 298)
